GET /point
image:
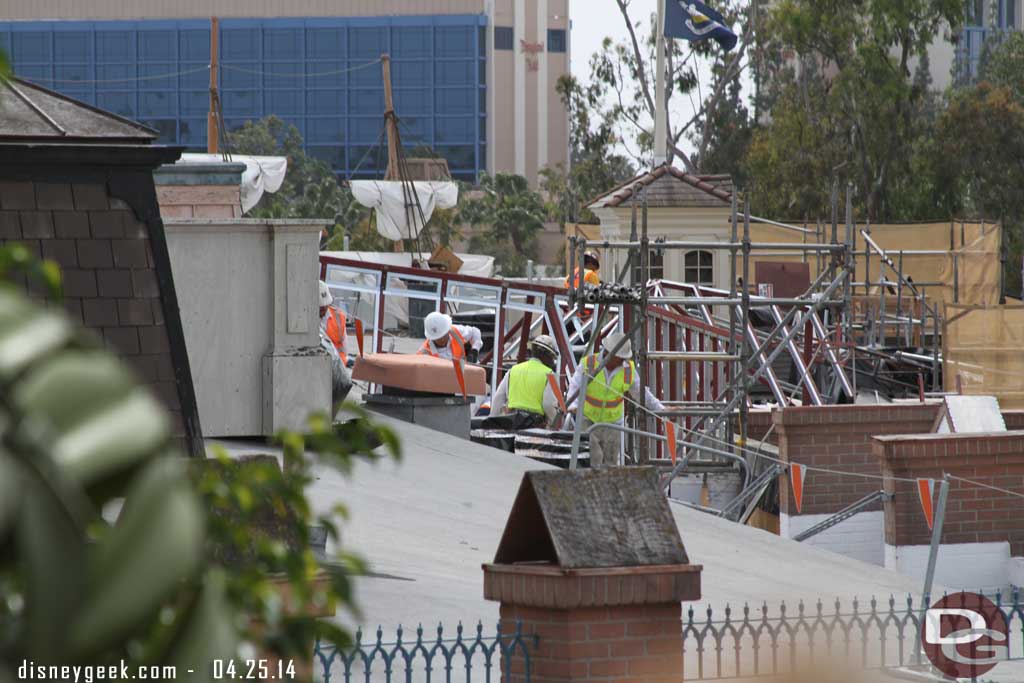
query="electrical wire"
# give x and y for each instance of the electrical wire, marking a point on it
(337, 72)
(987, 486)
(133, 79)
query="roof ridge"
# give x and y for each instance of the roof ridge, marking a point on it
(624, 191)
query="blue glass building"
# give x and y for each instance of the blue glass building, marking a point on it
(318, 74)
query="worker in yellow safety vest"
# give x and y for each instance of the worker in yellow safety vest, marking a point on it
(448, 341)
(604, 402)
(526, 390)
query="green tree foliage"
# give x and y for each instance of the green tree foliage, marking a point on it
(595, 164)
(5, 67)
(1004, 66)
(978, 161)
(854, 92)
(82, 441)
(506, 217)
(620, 91)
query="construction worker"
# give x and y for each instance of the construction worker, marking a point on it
(591, 271)
(332, 320)
(445, 340)
(526, 391)
(341, 378)
(604, 401)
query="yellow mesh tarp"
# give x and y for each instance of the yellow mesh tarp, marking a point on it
(975, 249)
(983, 346)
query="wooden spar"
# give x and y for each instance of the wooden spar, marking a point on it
(211, 117)
(390, 122)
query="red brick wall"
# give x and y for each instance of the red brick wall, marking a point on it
(199, 201)
(839, 438)
(759, 422)
(973, 514)
(622, 643)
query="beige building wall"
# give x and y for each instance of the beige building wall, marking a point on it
(527, 124)
(528, 121)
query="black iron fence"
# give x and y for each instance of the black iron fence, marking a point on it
(429, 657)
(753, 642)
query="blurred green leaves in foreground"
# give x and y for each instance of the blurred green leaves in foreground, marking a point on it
(204, 555)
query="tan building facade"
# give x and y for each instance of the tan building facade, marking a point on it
(526, 44)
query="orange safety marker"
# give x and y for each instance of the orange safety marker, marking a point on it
(553, 383)
(925, 490)
(670, 436)
(359, 335)
(796, 479)
(457, 362)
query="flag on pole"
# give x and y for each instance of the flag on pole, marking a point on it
(694, 21)
(925, 491)
(796, 478)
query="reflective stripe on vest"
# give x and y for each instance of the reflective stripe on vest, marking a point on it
(526, 385)
(455, 339)
(604, 402)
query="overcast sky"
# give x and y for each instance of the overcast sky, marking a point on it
(592, 20)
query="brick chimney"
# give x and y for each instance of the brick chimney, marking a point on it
(592, 565)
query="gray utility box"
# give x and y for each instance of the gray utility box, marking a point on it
(449, 414)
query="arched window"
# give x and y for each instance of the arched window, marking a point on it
(655, 266)
(698, 268)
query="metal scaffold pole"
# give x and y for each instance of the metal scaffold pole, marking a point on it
(643, 452)
(745, 322)
(735, 365)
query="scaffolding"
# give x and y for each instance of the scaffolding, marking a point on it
(712, 354)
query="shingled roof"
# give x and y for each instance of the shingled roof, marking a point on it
(670, 187)
(31, 113)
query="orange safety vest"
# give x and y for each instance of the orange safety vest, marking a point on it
(336, 331)
(455, 339)
(590, 277)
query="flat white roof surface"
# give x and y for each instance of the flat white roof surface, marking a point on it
(426, 525)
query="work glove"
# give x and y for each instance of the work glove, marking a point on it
(473, 355)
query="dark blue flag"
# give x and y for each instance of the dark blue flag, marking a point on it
(692, 20)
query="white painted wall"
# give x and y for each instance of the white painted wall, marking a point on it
(247, 290)
(968, 566)
(691, 224)
(861, 537)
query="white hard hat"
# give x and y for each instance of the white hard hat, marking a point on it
(436, 325)
(625, 351)
(545, 342)
(326, 298)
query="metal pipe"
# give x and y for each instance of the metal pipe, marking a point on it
(643, 451)
(731, 246)
(692, 355)
(734, 368)
(661, 437)
(933, 550)
(758, 219)
(755, 301)
(572, 270)
(745, 307)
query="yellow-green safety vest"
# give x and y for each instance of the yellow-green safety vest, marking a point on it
(604, 401)
(526, 384)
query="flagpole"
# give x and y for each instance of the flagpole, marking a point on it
(660, 117)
